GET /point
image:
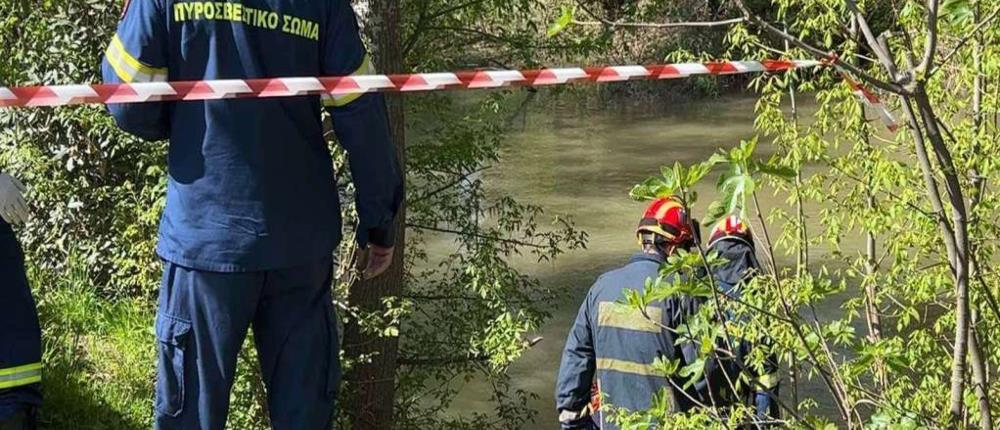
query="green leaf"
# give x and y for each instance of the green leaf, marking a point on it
(781, 172)
(564, 21)
(693, 372)
(957, 12)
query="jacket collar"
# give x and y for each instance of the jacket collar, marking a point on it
(642, 256)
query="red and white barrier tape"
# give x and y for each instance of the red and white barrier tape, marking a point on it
(872, 101)
(63, 95)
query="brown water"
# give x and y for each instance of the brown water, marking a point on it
(582, 162)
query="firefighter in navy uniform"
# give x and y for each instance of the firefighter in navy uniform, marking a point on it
(614, 346)
(732, 240)
(20, 335)
(252, 214)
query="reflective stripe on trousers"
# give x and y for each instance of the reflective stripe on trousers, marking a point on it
(20, 375)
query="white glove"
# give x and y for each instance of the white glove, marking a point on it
(13, 208)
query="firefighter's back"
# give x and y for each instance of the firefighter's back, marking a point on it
(266, 159)
(626, 342)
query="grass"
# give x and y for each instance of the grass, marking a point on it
(99, 359)
(98, 355)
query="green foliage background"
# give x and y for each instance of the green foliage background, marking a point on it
(97, 195)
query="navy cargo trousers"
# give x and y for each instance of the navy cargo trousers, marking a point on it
(202, 322)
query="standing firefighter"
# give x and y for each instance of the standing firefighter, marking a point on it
(20, 336)
(732, 240)
(615, 347)
(252, 215)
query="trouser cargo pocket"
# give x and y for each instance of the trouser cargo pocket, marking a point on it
(172, 334)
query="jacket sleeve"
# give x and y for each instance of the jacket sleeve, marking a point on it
(362, 127)
(576, 371)
(138, 53)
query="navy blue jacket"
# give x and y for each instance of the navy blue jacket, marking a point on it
(251, 184)
(20, 334)
(740, 267)
(614, 345)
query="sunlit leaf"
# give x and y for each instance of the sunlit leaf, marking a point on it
(565, 19)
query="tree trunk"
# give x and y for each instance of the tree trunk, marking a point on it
(980, 379)
(373, 383)
(961, 261)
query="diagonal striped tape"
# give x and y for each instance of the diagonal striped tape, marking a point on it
(64, 95)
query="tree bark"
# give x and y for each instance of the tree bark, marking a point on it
(980, 378)
(980, 374)
(373, 383)
(961, 261)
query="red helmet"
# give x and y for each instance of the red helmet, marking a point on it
(731, 227)
(667, 218)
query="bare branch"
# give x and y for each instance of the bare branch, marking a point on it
(461, 179)
(455, 8)
(476, 235)
(444, 361)
(873, 43)
(441, 361)
(424, 19)
(932, 36)
(613, 24)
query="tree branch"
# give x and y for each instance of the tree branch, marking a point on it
(441, 361)
(873, 43)
(424, 19)
(613, 24)
(932, 36)
(446, 187)
(819, 53)
(444, 361)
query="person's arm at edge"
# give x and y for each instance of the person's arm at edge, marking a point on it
(137, 53)
(576, 372)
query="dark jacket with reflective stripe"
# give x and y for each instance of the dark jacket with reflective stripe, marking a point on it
(615, 345)
(251, 184)
(20, 336)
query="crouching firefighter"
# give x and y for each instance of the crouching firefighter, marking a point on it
(20, 336)
(614, 345)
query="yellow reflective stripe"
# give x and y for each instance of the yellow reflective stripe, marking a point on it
(114, 60)
(768, 381)
(128, 68)
(627, 367)
(134, 62)
(366, 68)
(617, 315)
(21, 375)
(19, 369)
(20, 382)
